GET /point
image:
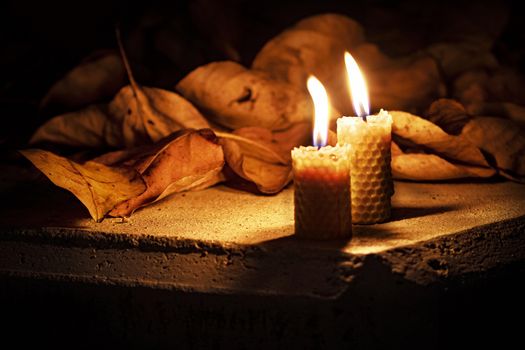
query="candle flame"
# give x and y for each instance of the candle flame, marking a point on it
(358, 88)
(321, 108)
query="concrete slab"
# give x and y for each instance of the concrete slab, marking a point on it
(218, 261)
(225, 216)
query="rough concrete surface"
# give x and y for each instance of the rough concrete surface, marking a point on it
(221, 268)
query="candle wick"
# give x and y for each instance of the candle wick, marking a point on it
(364, 118)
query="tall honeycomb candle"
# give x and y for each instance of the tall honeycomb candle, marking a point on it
(371, 181)
(370, 138)
(322, 207)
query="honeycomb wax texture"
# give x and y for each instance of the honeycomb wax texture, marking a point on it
(371, 176)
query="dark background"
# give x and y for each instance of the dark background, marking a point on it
(41, 41)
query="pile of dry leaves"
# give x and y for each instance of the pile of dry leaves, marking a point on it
(226, 122)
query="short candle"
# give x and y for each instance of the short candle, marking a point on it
(322, 207)
(322, 192)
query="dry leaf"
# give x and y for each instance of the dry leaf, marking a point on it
(449, 115)
(430, 167)
(253, 155)
(235, 97)
(151, 112)
(136, 116)
(395, 150)
(314, 45)
(147, 115)
(97, 78)
(97, 186)
(128, 121)
(431, 138)
(501, 138)
(187, 160)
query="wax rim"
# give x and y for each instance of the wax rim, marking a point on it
(378, 119)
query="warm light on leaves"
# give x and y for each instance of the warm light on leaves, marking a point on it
(99, 187)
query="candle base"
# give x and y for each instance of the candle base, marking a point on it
(322, 211)
(322, 205)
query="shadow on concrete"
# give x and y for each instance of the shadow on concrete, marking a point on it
(373, 232)
(22, 205)
(402, 213)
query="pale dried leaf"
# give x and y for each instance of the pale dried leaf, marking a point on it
(501, 138)
(147, 115)
(432, 138)
(235, 97)
(99, 187)
(430, 167)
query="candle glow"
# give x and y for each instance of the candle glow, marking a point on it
(321, 110)
(358, 90)
(322, 206)
(370, 139)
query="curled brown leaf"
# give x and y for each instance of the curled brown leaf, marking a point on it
(187, 160)
(99, 187)
(236, 97)
(254, 155)
(432, 139)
